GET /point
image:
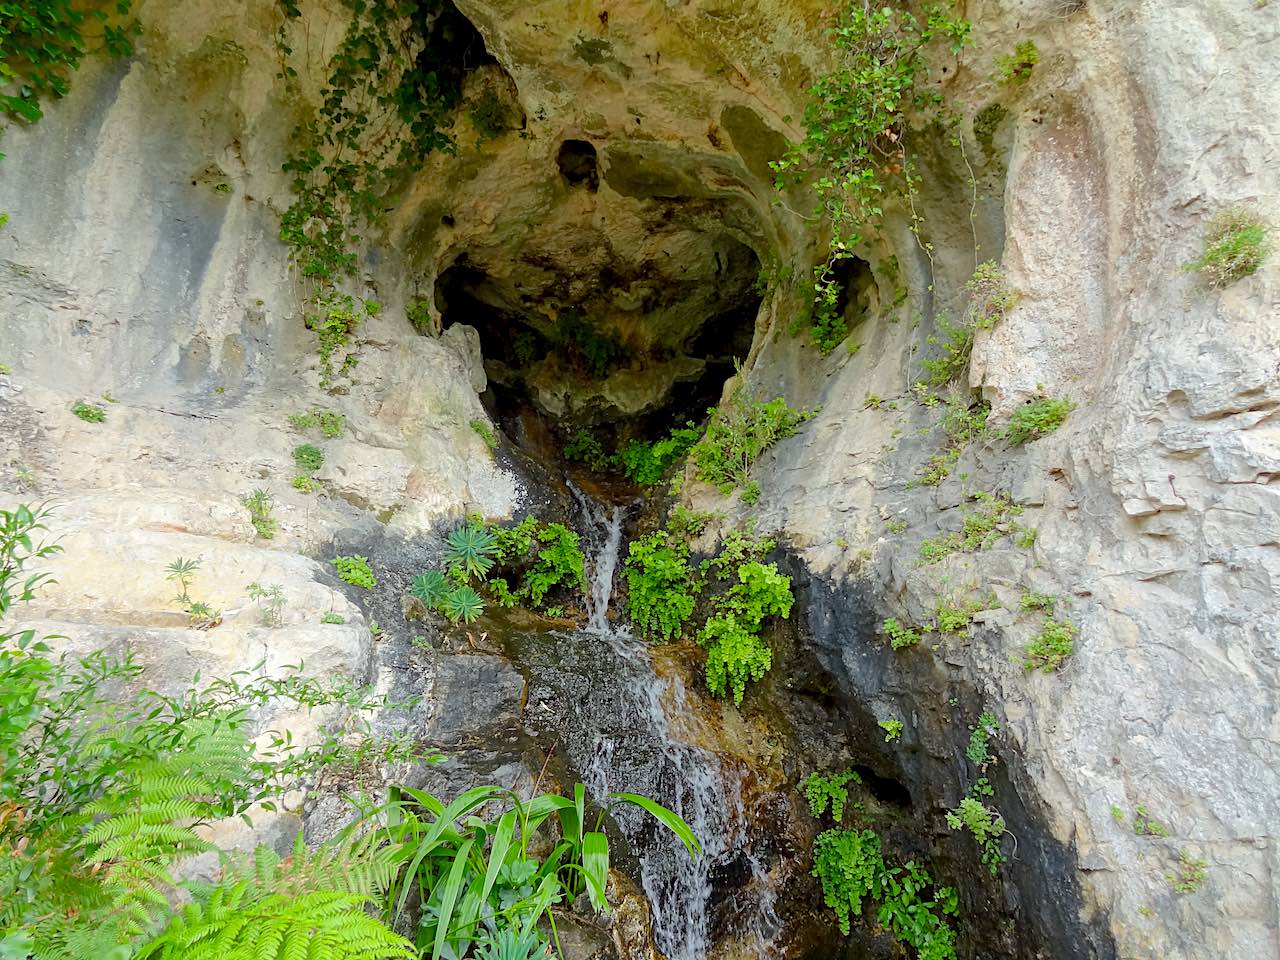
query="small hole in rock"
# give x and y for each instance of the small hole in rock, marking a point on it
(447, 220)
(884, 789)
(577, 163)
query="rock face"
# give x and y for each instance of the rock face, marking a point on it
(141, 261)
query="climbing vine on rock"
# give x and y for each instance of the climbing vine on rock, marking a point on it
(392, 87)
(43, 43)
(854, 147)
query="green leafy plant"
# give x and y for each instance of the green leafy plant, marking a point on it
(43, 43)
(954, 342)
(355, 571)
(737, 434)
(990, 298)
(330, 423)
(270, 600)
(305, 484)
(979, 749)
(954, 617)
(1030, 600)
(485, 433)
(261, 506)
(182, 571)
(103, 795)
(308, 457)
(856, 124)
(985, 823)
(1235, 245)
(89, 412)
(645, 463)
(900, 636)
(585, 447)
(469, 551)
(333, 618)
(829, 792)
(662, 588)
(983, 527)
(1188, 874)
(431, 588)
(462, 603)
(1146, 825)
(892, 729)
(851, 868)
(736, 653)
(1036, 419)
(1051, 647)
(1015, 68)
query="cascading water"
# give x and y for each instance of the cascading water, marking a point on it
(598, 689)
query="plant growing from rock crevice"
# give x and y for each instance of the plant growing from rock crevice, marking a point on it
(355, 571)
(261, 506)
(1236, 243)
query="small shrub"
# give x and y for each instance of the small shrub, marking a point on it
(1051, 647)
(1144, 825)
(431, 588)
(585, 447)
(419, 315)
(355, 571)
(662, 588)
(1235, 245)
(896, 525)
(1036, 419)
(990, 298)
(305, 484)
(823, 792)
(469, 551)
(333, 618)
(892, 729)
(271, 601)
(951, 618)
(985, 823)
(645, 463)
(737, 434)
(955, 343)
(462, 603)
(260, 506)
(1189, 873)
(308, 457)
(89, 412)
(330, 423)
(900, 636)
(736, 653)
(485, 433)
(979, 749)
(1038, 601)
(1015, 68)
(982, 528)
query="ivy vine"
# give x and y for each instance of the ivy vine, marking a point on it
(393, 85)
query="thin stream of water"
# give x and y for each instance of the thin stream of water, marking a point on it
(635, 748)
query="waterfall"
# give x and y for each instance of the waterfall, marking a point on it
(614, 713)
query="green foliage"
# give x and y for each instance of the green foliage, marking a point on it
(990, 298)
(308, 457)
(1052, 646)
(1031, 600)
(892, 729)
(982, 529)
(1235, 245)
(304, 483)
(962, 422)
(333, 618)
(735, 651)
(462, 603)
(585, 447)
(101, 795)
(270, 600)
(469, 551)
(857, 120)
(89, 412)
(559, 563)
(1144, 825)
(476, 876)
(950, 618)
(485, 433)
(829, 792)
(1015, 68)
(1188, 874)
(737, 434)
(431, 588)
(645, 463)
(851, 868)
(1036, 419)
(182, 572)
(985, 823)
(355, 571)
(979, 749)
(331, 423)
(954, 341)
(662, 588)
(419, 315)
(585, 347)
(43, 43)
(985, 125)
(260, 506)
(900, 636)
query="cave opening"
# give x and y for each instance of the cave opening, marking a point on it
(611, 350)
(578, 164)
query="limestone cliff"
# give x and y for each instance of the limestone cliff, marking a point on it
(630, 180)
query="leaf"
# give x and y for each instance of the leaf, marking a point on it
(449, 896)
(595, 868)
(669, 819)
